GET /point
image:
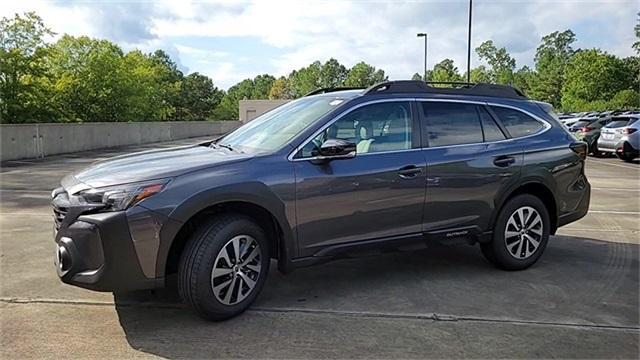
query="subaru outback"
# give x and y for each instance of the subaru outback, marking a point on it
(333, 172)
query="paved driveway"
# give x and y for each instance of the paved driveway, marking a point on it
(580, 300)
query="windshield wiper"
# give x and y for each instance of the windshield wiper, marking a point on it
(227, 146)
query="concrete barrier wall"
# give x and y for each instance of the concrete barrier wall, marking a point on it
(25, 141)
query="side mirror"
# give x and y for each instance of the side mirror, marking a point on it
(337, 149)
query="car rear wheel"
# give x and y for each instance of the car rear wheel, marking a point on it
(223, 267)
(625, 156)
(520, 234)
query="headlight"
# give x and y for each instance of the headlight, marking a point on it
(122, 197)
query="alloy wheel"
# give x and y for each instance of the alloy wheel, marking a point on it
(523, 233)
(236, 269)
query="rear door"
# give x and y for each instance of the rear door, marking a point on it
(469, 161)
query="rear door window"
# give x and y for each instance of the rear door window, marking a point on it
(451, 123)
(517, 123)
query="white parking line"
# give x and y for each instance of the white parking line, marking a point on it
(25, 190)
(26, 214)
(594, 229)
(614, 189)
(615, 212)
(618, 165)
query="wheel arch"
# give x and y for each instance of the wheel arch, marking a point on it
(538, 189)
(260, 204)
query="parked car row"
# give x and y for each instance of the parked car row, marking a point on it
(607, 133)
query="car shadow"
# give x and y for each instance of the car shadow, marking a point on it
(577, 281)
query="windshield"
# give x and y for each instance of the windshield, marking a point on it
(276, 128)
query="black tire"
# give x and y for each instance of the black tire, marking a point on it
(195, 271)
(593, 148)
(497, 252)
(625, 156)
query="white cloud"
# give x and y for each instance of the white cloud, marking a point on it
(381, 33)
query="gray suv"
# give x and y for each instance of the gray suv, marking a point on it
(333, 172)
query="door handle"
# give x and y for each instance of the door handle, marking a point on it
(409, 171)
(504, 161)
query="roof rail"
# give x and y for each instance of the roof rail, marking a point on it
(458, 88)
(332, 89)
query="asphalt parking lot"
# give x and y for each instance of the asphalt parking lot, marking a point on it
(581, 300)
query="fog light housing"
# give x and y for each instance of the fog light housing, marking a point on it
(63, 259)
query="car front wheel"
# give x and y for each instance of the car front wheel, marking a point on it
(520, 234)
(594, 149)
(223, 267)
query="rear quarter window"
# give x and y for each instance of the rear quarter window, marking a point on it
(517, 123)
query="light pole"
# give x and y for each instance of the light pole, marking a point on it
(424, 35)
(469, 44)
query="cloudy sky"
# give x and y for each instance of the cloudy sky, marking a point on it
(230, 41)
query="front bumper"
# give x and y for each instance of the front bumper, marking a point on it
(96, 252)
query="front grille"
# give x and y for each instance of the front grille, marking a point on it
(59, 215)
(60, 205)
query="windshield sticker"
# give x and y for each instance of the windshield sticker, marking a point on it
(336, 102)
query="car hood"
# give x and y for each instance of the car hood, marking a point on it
(149, 165)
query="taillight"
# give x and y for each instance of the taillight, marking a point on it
(586, 129)
(580, 148)
(628, 131)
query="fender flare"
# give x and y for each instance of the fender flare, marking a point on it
(537, 179)
(254, 193)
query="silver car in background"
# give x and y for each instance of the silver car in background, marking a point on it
(621, 136)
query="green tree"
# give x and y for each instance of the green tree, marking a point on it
(445, 71)
(523, 78)
(24, 96)
(257, 88)
(228, 108)
(89, 80)
(502, 64)
(632, 69)
(280, 89)
(171, 77)
(551, 59)
(332, 74)
(306, 79)
(479, 74)
(625, 99)
(593, 76)
(416, 76)
(148, 93)
(261, 86)
(198, 98)
(364, 75)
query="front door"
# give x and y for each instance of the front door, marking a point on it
(377, 194)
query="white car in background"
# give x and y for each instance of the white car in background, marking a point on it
(622, 137)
